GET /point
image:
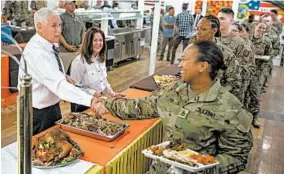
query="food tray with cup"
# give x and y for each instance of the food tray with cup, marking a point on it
(93, 126)
(180, 157)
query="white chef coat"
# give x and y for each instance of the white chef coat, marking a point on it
(92, 76)
(49, 85)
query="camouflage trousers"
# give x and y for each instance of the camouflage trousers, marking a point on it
(246, 78)
(255, 88)
(245, 89)
(159, 44)
(267, 69)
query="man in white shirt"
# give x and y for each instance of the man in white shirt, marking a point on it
(49, 82)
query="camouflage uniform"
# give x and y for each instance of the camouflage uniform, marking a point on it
(8, 10)
(16, 10)
(278, 26)
(212, 122)
(245, 57)
(231, 78)
(36, 5)
(275, 40)
(160, 33)
(261, 46)
(248, 94)
(29, 19)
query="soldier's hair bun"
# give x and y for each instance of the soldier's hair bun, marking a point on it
(209, 52)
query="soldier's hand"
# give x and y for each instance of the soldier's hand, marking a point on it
(113, 95)
(99, 108)
(119, 95)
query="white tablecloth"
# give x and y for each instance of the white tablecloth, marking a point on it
(9, 164)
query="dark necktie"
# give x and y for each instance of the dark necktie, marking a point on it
(57, 58)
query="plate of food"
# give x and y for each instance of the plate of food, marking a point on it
(93, 126)
(54, 149)
(179, 156)
(164, 80)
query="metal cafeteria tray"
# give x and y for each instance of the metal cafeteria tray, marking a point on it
(92, 134)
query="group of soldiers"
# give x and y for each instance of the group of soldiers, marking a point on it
(19, 12)
(263, 38)
(247, 52)
(248, 49)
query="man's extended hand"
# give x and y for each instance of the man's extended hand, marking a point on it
(113, 95)
(98, 105)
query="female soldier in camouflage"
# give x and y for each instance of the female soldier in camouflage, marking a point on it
(196, 111)
(236, 29)
(262, 49)
(207, 29)
(245, 34)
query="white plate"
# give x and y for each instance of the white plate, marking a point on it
(148, 153)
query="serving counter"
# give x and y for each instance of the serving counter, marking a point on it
(123, 155)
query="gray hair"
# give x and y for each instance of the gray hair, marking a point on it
(42, 15)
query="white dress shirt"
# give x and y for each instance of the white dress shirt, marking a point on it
(92, 76)
(49, 85)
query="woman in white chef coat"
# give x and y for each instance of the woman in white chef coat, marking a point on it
(88, 69)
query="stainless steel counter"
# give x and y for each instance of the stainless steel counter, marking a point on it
(128, 43)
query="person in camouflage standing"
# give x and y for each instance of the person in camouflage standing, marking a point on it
(16, 10)
(262, 49)
(36, 5)
(8, 10)
(276, 22)
(242, 51)
(275, 40)
(244, 34)
(207, 29)
(160, 33)
(196, 111)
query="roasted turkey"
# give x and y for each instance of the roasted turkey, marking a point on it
(53, 147)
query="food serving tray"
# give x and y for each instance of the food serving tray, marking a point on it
(92, 134)
(200, 167)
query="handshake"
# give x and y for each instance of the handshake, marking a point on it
(99, 98)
